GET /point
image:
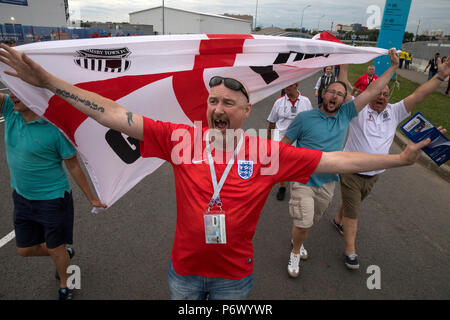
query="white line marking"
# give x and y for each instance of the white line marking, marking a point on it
(7, 238)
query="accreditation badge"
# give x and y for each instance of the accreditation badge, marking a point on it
(215, 231)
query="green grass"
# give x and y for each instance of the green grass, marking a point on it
(436, 107)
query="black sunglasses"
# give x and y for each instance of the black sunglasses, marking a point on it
(230, 83)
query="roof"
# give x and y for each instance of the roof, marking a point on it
(200, 13)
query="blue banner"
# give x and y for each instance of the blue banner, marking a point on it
(393, 25)
(17, 2)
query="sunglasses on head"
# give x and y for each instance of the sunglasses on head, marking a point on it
(229, 83)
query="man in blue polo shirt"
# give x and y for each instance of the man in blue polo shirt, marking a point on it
(43, 204)
(323, 129)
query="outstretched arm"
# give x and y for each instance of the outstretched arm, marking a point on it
(354, 162)
(429, 64)
(428, 87)
(73, 166)
(343, 77)
(376, 86)
(105, 111)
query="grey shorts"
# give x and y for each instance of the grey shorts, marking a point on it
(307, 204)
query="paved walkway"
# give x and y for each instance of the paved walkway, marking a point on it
(420, 77)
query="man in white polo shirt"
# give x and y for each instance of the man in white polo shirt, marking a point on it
(284, 110)
(373, 131)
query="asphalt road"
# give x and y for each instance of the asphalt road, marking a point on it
(124, 253)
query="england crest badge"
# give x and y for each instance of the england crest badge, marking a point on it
(245, 169)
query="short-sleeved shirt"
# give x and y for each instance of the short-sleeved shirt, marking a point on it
(373, 132)
(284, 111)
(34, 151)
(243, 195)
(316, 130)
(433, 64)
(364, 81)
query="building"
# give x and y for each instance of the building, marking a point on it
(240, 16)
(48, 13)
(122, 28)
(357, 27)
(433, 33)
(177, 21)
(343, 27)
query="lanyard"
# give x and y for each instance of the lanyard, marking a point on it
(217, 187)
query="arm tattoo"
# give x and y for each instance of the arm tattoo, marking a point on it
(130, 118)
(68, 95)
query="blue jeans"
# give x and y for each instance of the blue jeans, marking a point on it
(431, 74)
(205, 288)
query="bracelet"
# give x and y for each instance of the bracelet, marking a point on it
(439, 78)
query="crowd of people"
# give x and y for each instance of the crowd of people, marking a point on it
(212, 255)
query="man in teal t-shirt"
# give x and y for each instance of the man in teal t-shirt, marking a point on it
(324, 129)
(43, 204)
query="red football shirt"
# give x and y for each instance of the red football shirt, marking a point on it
(363, 82)
(243, 195)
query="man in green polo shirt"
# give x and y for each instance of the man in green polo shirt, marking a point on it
(43, 204)
(324, 129)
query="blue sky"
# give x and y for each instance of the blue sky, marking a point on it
(433, 14)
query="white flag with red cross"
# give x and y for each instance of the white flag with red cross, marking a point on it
(164, 78)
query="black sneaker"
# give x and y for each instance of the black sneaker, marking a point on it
(338, 226)
(65, 294)
(351, 261)
(281, 193)
(71, 252)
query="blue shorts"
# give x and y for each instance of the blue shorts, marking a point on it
(39, 221)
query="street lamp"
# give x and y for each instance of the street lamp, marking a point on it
(256, 12)
(318, 23)
(163, 31)
(303, 12)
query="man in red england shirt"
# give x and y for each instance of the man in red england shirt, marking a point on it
(218, 202)
(363, 82)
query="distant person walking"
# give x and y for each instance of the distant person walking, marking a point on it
(363, 81)
(284, 110)
(408, 59)
(433, 64)
(402, 56)
(324, 81)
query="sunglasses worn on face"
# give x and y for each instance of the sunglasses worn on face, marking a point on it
(229, 83)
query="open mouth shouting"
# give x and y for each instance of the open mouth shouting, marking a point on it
(220, 124)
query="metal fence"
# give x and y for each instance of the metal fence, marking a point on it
(426, 49)
(26, 34)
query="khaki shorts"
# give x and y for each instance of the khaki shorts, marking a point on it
(307, 204)
(354, 188)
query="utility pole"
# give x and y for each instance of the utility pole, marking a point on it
(332, 22)
(163, 17)
(256, 13)
(417, 31)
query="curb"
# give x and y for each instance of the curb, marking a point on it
(443, 171)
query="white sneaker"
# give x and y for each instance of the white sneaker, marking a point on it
(303, 252)
(293, 265)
